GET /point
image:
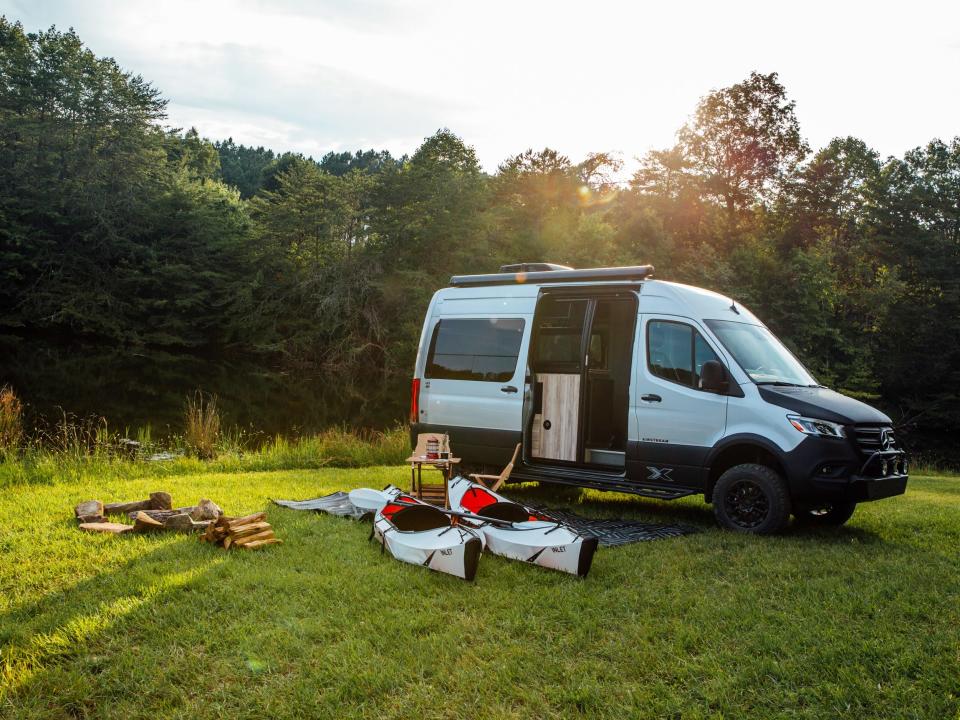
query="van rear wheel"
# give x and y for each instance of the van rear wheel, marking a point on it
(830, 515)
(751, 498)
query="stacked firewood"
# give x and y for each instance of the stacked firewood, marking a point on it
(248, 532)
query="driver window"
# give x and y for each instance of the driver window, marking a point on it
(669, 351)
(676, 352)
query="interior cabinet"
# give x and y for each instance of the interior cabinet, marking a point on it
(554, 432)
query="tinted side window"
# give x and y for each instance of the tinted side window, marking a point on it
(670, 351)
(558, 335)
(483, 349)
(677, 352)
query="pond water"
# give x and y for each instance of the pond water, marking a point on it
(136, 387)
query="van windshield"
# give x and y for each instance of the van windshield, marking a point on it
(761, 355)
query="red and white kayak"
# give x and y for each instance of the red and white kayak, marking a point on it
(421, 534)
(531, 536)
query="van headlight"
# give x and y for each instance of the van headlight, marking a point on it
(812, 426)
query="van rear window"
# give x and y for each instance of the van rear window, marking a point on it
(484, 349)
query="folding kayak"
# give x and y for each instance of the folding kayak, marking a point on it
(421, 534)
(530, 536)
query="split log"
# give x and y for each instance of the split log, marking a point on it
(214, 535)
(162, 515)
(246, 520)
(261, 543)
(211, 534)
(156, 501)
(106, 527)
(251, 529)
(126, 507)
(144, 523)
(264, 535)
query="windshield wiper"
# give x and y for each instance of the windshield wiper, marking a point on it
(781, 383)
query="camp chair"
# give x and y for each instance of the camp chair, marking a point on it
(493, 482)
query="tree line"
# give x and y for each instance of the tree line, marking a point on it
(115, 227)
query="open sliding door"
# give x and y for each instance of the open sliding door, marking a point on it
(580, 358)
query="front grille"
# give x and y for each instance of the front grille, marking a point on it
(881, 453)
(871, 439)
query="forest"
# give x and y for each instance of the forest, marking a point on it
(119, 231)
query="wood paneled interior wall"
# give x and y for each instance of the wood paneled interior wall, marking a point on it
(561, 408)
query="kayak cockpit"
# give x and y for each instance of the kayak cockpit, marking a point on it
(509, 511)
(415, 518)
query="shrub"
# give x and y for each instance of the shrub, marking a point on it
(202, 425)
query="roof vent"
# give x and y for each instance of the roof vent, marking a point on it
(533, 267)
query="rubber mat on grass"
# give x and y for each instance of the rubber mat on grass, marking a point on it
(612, 532)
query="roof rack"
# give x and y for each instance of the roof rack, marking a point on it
(533, 267)
(614, 274)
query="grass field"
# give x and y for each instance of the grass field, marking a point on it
(859, 622)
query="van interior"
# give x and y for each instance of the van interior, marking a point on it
(581, 356)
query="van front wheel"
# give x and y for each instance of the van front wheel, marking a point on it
(751, 498)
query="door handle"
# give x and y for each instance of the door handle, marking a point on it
(508, 389)
(651, 398)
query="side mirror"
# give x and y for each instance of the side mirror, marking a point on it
(713, 377)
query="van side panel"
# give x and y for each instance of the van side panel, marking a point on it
(482, 415)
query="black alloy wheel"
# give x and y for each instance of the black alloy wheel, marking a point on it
(751, 498)
(746, 504)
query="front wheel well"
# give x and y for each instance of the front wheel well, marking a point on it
(740, 454)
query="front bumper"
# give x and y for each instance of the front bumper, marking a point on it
(825, 470)
(863, 489)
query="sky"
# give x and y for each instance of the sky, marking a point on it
(314, 76)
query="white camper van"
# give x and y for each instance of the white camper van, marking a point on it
(610, 379)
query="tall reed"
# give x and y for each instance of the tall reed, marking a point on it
(202, 425)
(11, 421)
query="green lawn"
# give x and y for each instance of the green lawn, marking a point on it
(859, 622)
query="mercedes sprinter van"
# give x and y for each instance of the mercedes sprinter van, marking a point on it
(610, 379)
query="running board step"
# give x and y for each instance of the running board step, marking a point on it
(664, 493)
(612, 484)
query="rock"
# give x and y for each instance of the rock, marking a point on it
(88, 510)
(206, 510)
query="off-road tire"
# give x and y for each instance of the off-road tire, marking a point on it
(752, 499)
(830, 515)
